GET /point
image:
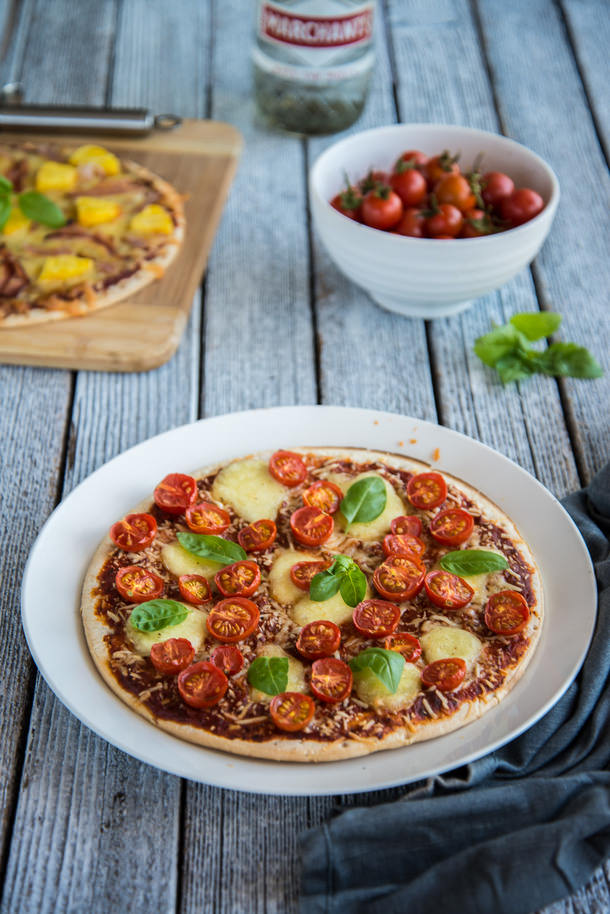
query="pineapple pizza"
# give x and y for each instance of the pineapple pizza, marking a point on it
(312, 605)
(80, 229)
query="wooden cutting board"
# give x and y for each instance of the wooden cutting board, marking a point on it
(142, 332)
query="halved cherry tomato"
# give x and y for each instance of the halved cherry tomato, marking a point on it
(376, 618)
(228, 658)
(258, 536)
(291, 711)
(447, 590)
(194, 588)
(303, 573)
(287, 468)
(447, 222)
(318, 639)
(456, 190)
(207, 518)
(134, 533)
(452, 526)
(399, 578)
(238, 580)
(426, 491)
(521, 206)
(233, 619)
(406, 524)
(412, 223)
(410, 185)
(406, 644)
(439, 166)
(202, 685)
(445, 675)
(496, 185)
(331, 679)
(137, 584)
(381, 208)
(413, 155)
(403, 544)
(172, 656)
(175, 493)
(310, 526)
(324, 495)
(506, 612)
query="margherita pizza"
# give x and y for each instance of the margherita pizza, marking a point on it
(312, 605)
(80, 229)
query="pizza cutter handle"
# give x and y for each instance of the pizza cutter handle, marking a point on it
(62, 119)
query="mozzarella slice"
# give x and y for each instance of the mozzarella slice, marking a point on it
(371, 690)
(282, 587)
(192, 628)
(179, 561)
(334, 609)
(296, 672)
(444, 641)
(377, 528)
(248, 486)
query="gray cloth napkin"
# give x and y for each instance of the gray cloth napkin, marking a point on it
(507, 834)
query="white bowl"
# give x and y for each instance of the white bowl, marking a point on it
(424, 277)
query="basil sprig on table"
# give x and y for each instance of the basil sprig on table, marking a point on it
(507, 349)
(386, 665)
(157, 614)
(343, 576)
(32, 204)
(472, 561)
(269, 674)
(364, 500)
(214, 548)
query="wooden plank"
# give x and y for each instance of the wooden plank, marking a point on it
(143, 332)
(84, 848)
(472, 401)
(588, 27)
(368, 356)
(572, 271)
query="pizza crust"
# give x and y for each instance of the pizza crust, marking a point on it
(301, 749)
(129, 286)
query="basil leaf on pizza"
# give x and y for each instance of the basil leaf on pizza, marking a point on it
(269, 674)
(5, 210)
(6, 186)
(364, 500)
(386, 665)
(212, 547)
(473, 561)
(41, 209)
(343, 576)
(157, 614)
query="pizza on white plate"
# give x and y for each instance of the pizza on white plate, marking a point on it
(312, 605)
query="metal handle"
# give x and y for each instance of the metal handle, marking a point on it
(62, 119)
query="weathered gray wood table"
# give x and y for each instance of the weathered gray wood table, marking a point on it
(83, 826)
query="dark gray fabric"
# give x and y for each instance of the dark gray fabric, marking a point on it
(533, 829)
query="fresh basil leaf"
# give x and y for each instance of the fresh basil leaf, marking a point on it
(514, 367)
(6, 186)
(568, 360)
(473, 561)
(538, 325)
(157, 614)
(214, 548)
(324, 585)
(5, 210)
(498, 343)
(364, 500)
(353, 586)
(386, 665)
(341, 563)
(269, 674)
(40, 209)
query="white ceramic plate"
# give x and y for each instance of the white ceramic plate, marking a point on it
(57, 563)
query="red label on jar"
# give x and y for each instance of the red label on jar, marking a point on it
(315, 32)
